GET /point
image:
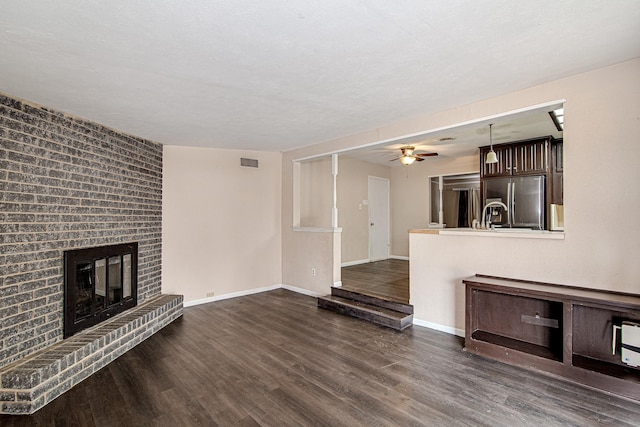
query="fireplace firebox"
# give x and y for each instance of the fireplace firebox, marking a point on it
(99, 283)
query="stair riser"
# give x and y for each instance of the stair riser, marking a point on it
(391, 305)
(366, 315)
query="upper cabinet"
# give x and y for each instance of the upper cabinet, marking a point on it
(556, 155)
(502, 168)
(530, 157)
(557, 188)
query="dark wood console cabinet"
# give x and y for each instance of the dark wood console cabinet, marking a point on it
(561, 330)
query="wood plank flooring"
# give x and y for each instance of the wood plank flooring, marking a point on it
(275, 359)
(387, 279)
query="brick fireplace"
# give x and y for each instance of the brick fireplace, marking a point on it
(67, 183)
(99, 283)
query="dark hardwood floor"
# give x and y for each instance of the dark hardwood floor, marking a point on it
(387, 279)
(275, 359)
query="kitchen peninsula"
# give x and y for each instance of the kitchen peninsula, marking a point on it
(441, 258)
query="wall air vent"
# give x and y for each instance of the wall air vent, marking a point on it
(249, 163)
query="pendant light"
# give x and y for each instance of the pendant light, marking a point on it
(491, 155)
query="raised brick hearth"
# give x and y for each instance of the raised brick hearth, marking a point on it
(34, 381)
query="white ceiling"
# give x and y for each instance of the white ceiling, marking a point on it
(275, 75)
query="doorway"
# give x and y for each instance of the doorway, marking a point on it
(379, 218)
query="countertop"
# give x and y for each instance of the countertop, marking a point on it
(504, 232)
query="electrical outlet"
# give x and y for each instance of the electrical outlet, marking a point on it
(313, 271)
(210, 294)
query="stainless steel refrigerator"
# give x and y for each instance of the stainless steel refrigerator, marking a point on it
(525, 197)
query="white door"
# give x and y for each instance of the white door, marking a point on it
(379, 219)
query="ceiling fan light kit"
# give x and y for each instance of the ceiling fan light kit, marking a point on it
(409, 156)
(491, 155)
(407, 160)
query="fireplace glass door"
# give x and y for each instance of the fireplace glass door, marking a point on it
(99, 282)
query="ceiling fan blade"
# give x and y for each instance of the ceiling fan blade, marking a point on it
(426, 154)
(419, 159)
(393, 160)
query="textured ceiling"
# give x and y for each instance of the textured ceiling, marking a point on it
(275, 75)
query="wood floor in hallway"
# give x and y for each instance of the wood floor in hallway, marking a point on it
(387, 279)
(275, 359)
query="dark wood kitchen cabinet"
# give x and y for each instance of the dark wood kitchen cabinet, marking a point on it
(529, 157)
(502, 168)
(557, 171)
(561, 330)
(557, 156)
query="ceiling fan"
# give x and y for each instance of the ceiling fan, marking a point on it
(409, 156)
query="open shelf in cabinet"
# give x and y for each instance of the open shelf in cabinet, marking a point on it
(521, 323)
(623, 372)
(522, 346)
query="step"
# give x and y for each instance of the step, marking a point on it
(372, 313)
(373, 300)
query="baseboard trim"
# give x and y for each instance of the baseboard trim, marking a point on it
(356, 262)
(403, 258)
(438, 327)
(231, 295)
(417, 322)
(250, 292)
(301, 291)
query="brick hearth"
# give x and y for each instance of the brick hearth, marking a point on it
(34, 381)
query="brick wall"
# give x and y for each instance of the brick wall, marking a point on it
(67, 183)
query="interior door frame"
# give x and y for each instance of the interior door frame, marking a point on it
(387, 232)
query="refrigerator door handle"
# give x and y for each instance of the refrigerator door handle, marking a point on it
(513, 203)
(509, 206)
(541, 192)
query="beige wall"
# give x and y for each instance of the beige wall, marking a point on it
(353, 215)
(317, 249)
(316, 193)
(602, 197)
(221, 222)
